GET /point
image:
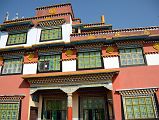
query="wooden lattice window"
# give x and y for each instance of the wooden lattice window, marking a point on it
(88, 60)
(19, 38)
(55, 109)
(131, 56)
(92, 108)
(51, 34)
(141, 107)
(12, 66)
(49, 63)
(9, 111)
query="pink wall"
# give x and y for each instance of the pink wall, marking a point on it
(133, 77)
(14, 85)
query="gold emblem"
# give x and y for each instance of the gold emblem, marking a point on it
(146, 32)
(91, 37)
(156, 46)
(30, 56)
(69, 53)
(109, 49)
(117, 34)
(52, 11)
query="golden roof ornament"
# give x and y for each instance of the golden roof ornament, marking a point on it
(156, 46)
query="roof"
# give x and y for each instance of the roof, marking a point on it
(51, 6)
(57, 74)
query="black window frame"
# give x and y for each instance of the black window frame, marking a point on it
(155, 106)
(144, 57)
(102, 62)
(50, 70)
(12, 73)
(59, 27)
(19, 102)
(16, 34)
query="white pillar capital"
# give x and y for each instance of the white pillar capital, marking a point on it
(69, 90)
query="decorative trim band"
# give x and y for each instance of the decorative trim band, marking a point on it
(14, 97)
(151, 52)
(138, 92)
(105, 56)
(30, 62)
(69, 59)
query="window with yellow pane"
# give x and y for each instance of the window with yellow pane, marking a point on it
(17, 38)
(51, 34)
(9, 111)
(139, 107)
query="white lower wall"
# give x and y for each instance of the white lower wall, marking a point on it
(30, 68)
(111, 62)
(152, 59)
(68, 66)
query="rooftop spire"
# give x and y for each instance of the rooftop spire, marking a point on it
(6, 16)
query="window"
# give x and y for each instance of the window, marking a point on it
(55, 109)
(12, 66)
(88, 60)
(51, 34)
(131, 56)
(141, 107)
(19, 38)
(9, 111)
(92, 108)
(49, 63)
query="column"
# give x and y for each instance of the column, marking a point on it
(69, 91)
(40, 107)
(69, 106)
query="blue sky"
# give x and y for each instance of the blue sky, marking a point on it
(119, 13)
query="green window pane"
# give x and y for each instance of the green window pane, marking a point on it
(135, 101)
(128, 101)
(89, 60)
(49, 63)
(19, 38)
(129, 109)
(130, 116)
(8, 112)
(131, 56)
(51, 34)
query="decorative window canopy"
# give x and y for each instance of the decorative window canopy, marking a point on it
(138, 92)
(50, 23)
(11, 97)
(17, 26)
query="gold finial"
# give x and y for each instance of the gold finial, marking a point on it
(102, 19)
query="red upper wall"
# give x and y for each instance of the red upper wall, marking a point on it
(137, 77)
(14, 85)
(55, 9)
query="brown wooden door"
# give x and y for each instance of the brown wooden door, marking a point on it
(33, 113)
